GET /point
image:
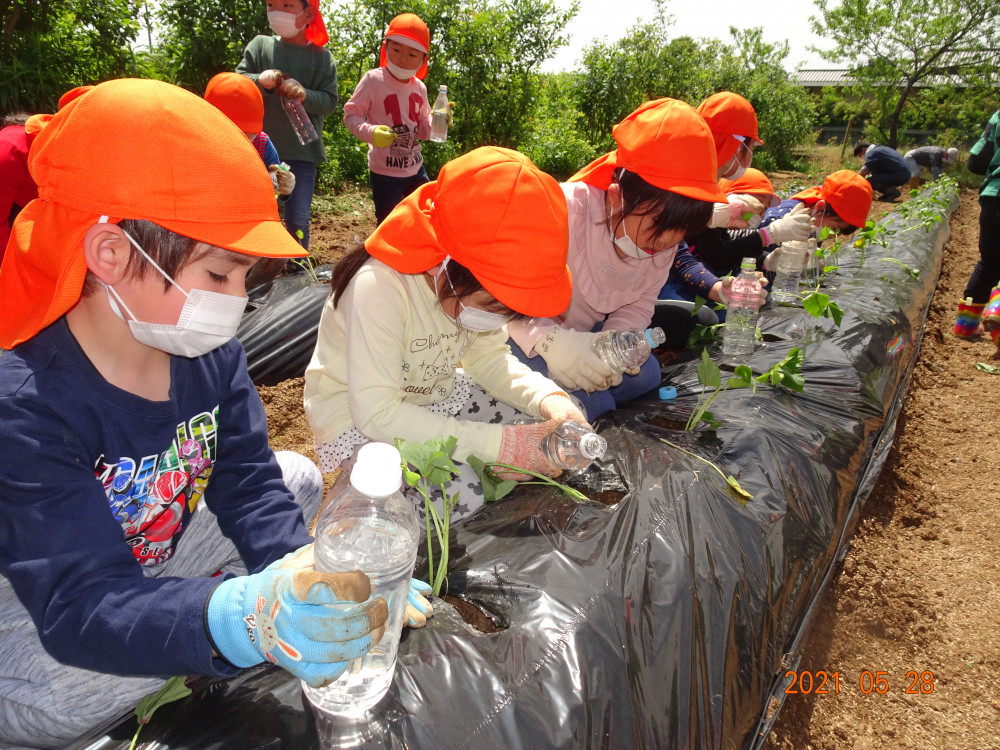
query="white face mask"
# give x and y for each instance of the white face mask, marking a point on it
(283, 24)
(625, 243)
(404, 74)
(736, 170)
(472, 318)
(207, 321)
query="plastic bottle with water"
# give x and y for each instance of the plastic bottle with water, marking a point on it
(572, 446)
(301, 124)
(439, 116)
(369, 527)
(628, 348)
(785, 287)
(742, 312)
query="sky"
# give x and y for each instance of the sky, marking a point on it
(782, 20)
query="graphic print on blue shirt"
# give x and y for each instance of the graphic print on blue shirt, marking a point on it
(153, 498)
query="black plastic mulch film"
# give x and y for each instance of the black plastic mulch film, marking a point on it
(669, 619)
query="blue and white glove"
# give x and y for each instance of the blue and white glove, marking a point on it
(296, 617)
(418, 608)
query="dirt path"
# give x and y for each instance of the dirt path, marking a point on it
(919, 588)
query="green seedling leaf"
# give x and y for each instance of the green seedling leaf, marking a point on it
(708, 372)
(824, 233)
(742, 496)
(816, 303)
(835, 313)
(991, 369)
(172, 690)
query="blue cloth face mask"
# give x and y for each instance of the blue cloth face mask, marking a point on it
(207, 321)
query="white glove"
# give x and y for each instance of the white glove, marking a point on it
(726, 287)
(732, 215)
(573, 363)
(797, 224)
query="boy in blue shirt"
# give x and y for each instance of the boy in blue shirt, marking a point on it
(136, 463)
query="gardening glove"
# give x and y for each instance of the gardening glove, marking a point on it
(572, 361)
(418, 607)
(521, 445)
(731, 215)
(383, 136)
(283, 179)
(296, 617)
(291, 89)
(270, 79)
(560, 407)
(450, 115)
(797, 224)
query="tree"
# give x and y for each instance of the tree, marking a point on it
(199, 38)
(894, 46)
(48, 47)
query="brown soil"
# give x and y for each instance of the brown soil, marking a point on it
(918, 592)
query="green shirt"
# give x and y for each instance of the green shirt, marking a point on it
(311, 66)
(984, 158)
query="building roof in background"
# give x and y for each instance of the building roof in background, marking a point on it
(822, 77)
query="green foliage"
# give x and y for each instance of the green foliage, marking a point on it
(199, 38)
(554, 138)
(434, 468)
(172, 690)
(496, 487)
(784, 373)
(646, 64)
(894, 45)
(50, 47)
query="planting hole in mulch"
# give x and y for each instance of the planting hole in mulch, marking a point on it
(474, 615)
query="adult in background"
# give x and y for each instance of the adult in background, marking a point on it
(884, 167)
(931, 157)
(981, 299)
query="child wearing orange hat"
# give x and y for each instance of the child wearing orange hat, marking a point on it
(294, 64)
(16, 186)
(390, 111)
(628, 210)
(127, 411)
(841, 203)
(431, 290)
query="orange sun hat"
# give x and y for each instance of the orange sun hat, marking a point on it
(239, 99)
(316, 30)
(752, 182)
(847, 192)
(498, 215)
(728, 115)
(668, 145)
(408, 29)
(175, 160)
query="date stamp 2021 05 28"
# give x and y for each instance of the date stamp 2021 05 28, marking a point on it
(879, 682)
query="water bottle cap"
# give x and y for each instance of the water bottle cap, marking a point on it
(593, 446)
(748, 264)
(667, 393)
(655, 337)
(378, 471)
(442, 87)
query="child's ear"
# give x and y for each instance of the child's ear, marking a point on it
(107, 251)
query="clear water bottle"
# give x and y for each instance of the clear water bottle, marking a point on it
(439, 116)
(301, 123)
(369, 527)
(628, 348)
(742, 312)
(572, 446)
(785, 287)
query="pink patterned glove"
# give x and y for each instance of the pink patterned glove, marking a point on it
(521, 445)
(560, 407)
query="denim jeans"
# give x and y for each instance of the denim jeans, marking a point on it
(598, 402)
(387, 191)
(299, 203)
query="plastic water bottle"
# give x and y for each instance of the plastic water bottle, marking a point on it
(301, 123)
(742, 312)
(573, 447)
(439, 116)
(369, 527)
(785, 287)
(628, 348)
